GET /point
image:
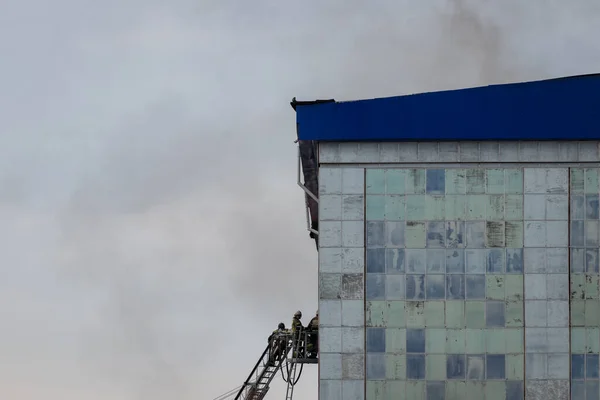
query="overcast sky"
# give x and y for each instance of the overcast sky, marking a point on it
(152, 230)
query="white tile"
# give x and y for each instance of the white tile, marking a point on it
(329, 152)
(427, 152)
(557, 286)
(330, 313)
(353, 366)
(588, 151)
(448, 151)
(536, 366)
(529, 151)
(535, 180)
(557, 260)
(368, 153)
(352, 390)
(558, 366)
(353, 340)
(389, 153)
(330, 180)
(330, 234)
(535, 287)
(330, 340)
(558, 340)
(557, 207)
(548, 151)
(330, 207)
(353, 234)
(353, 207)
(536, 340)
(353, 180)
(330, 389)
(468, 151)
(557, 233)
(534, 207)
(349, 152)
(330, 259)
(353, 313)
(557, 180)
(509, 151)
(535, 234)
(558, 314)
(353, 260)
(535, 313)
(330, 365)
(489, 151)
(534, 260)
(408, 151)
(568, 151)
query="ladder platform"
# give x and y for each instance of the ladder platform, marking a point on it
(305, 360)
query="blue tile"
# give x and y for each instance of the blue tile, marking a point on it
(591, 366)
(436, 261)
(592, 390)
(494, 314)
(395, 233)
(375, 261)
(415, 287)
(375, 287)
(514, 261)
(376, 340)
(415, 340)
(591, 206)
(455, 366)
(475, 287)
(591, 261)
(476, 367)
(436, 390)
(577, 234)
(436, 287)
(375, 366)
(495, 366)
(455, 234)
(415, 366)
(436, 234)
(436, 181)
(375, 233)
(394, 261)
(455, 261)
(475, 261)
(415, 261)
(475, 234)
(578, 261)
(455, 287)
(591, 233)
(577, 366)
(495, 261)
(514, 390)
(577, 390)
(577, 207)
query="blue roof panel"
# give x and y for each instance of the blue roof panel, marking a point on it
(555, 109)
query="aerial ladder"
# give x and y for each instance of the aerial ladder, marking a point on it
(285, 353)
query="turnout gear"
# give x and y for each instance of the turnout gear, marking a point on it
(313, 338)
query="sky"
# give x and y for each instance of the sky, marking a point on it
(153, 232)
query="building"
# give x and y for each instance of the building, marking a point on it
(458, 237)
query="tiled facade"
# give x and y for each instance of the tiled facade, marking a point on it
(459, 280)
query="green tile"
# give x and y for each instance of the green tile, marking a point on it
(513, 287)
(415, 314)
(475, 314)
(396, 181)
(395, 314)
(415, 207)
(395, 208)
(577, 180)
(375, 207)
(494, 289)
(591, 180)
(377, 313)
(395, 390)
(456, 390)
(415, 181)
(375, 181)
(476, 206)
(591, 286)
(495, 181)
(513, 340)
(415, 390)
(455, 314)
(456, 181)
(495, 341)
(475, 391)
(578, 340)
(578, 286)
(513, 234)
(456, 206)
(434, 314)
(513, 314)
(515, 368)
(495, 390)
(436, 367)
(475, 181)
(414, 235)
(494, 208)
(455, 341)
(395, 340)
(434, 208)
(513, 181)
(435, 340)
(475, 341)
(577, 312)
(375, 390)
(592, 312)
(395, 366)
(592, 340)
(513, 207)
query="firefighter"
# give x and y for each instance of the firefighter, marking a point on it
(298, 334)
(277, 339)
(313, 336)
